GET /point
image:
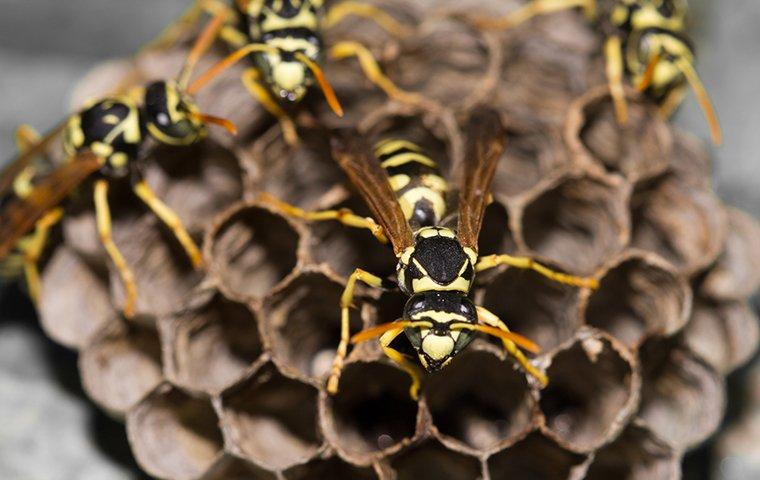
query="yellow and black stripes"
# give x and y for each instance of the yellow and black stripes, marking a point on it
(416, 179)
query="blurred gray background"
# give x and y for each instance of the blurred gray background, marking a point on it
(48, 429)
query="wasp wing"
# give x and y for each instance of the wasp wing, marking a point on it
(21, 214)
(354, 157)
(16, 166)
(486, 139)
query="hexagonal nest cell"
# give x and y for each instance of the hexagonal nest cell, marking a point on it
(222, 374)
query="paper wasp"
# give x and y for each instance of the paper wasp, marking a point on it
(645, 40)
(436, 267)
(284, 40)
(104, 142)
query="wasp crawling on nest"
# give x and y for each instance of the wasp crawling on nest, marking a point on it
(644, 39)
(103, 141)
(436, 264)
(284, 40)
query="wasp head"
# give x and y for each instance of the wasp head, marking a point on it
(442, 336)
(172, 117)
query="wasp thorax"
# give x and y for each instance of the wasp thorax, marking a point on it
(171, 116)
(436, 262)
(446, 312)
(641, 14)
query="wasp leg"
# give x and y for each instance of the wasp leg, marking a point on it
(178, 29)
(527, 263)
(346, 301)
(171, 220)
(372, 71)
(342, 10)
(33, 248)
(103, 214)
(401, 360)
(251, 81)
(491, 319)
(672, 101)
(534, 9)
(344, 216)
(613, 54)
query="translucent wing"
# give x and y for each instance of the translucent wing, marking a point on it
(486, 139)
(354, 157)
(21, 214)
(9, 173)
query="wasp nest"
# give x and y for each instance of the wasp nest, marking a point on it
(221, 375)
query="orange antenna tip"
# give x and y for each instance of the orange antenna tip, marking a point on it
(324, 85)
(222, 122)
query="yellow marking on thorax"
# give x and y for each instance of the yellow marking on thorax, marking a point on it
(427, 232)
(426, 284)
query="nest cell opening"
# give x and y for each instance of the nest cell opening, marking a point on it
(174, 435)
(271, 420)
(212, 347)
(683, 224)
(590, 394)
(345, 249)
(579, 224)
(635, 455)
(447, 61)
(369, 418)
(724, 334)
(333, 469)
(121, 367)
(534, 458)
(253, 250)
(231, 468)
(480, 401)
(683, 399)
(432, 461)
(75, 300)
(531, 305)
(163, 272)
(736, 274)
(495, 235)
(299, 174)
(638, 298)
(531, 156)
(638, 150)
(303, 323)
(197, 182)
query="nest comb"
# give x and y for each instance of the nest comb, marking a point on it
(221, 375)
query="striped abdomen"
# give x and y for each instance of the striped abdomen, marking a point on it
(417, 181)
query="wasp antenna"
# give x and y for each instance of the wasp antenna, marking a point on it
(201, 46)
(374, 332)
(327, 89)
(703, 98)
(227, 63)
(518, 339)
(646, 80)
(222, 122)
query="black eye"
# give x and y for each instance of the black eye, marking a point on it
(163, 119)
